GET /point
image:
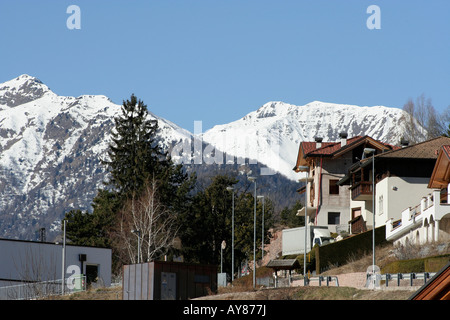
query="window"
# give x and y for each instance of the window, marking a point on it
(334, 217)
(380, 205)
(356, 212)
(334, 188)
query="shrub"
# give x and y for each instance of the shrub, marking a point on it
(430, 264)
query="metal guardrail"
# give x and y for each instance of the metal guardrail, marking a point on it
(388, 278)
(327, 279)
(403, 276)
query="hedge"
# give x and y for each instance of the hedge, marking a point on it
(429, 264)
(338, 253)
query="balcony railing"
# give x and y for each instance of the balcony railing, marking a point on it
(433, 207)
(362, 190)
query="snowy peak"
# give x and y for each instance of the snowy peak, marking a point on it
(21, 90)
(50, 152)
(51, 145)
(272, 134)
(271, 109)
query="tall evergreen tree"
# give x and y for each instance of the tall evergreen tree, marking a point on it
(134, 155)
(134, 159)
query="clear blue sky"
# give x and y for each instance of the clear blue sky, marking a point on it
(217, 60)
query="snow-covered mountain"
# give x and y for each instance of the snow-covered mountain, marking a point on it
(50, 151)
(272, 134)
(51, 146)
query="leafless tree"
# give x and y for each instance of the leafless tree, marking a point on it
(155, 223)
(421, 121)
(37, 272)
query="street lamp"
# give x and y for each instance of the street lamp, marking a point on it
(262, 230)
(63, 274)
(222, 247)
(372, 151)
(253, 179)
(305, 168)
(138, 233)
(232, 233)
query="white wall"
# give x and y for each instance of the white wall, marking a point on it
(398, 194)
(37, 261)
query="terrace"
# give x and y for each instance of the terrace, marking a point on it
(425, 215)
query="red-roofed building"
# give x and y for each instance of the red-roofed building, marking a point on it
(328, 162)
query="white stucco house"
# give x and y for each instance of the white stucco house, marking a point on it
(402, 179)
(429, 220)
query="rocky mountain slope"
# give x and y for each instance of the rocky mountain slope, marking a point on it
(51, 146)
(280, 128)
(50, 151)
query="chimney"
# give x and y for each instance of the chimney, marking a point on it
(404, 143)
(343, 136)
(318, 142)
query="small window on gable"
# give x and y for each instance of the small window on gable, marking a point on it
(334, 187)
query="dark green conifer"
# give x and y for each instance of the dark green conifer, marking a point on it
(134, 155)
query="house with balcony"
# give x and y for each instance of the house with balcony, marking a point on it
(328, 202)
(429, 220)
(401, 176)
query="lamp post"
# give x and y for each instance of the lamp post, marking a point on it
(372, 151)
(232, 233)
(305, 168)
(262, 230)
(222, 247)
(63, 258)
(138, 233)
(253, 179)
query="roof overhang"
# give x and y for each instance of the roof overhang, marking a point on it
(283, 264)
(437, 288)
(440, 177)
(364, 140)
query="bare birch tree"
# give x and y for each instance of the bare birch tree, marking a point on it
(153, 221)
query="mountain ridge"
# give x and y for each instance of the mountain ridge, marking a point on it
(51, 145)
(50, 150)
(280, 127)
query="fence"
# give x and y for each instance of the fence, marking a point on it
(425, 276)
(327, 279)
(36, 290)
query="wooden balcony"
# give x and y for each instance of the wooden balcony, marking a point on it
(362, 191)
(358, 225)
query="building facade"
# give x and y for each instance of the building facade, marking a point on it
(328, 202)
(429, 219)
(32, 262)
(401, 180)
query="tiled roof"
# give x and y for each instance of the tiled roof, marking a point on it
(425, 150)
(329, 148)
